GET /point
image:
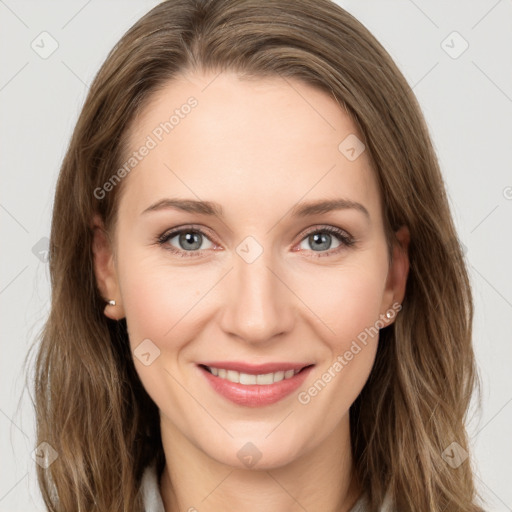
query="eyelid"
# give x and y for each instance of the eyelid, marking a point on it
(177, 230)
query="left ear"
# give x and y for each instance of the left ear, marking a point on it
(398, 272)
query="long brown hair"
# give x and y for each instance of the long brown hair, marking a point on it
(90, 404)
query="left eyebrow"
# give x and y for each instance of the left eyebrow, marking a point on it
(323, 206)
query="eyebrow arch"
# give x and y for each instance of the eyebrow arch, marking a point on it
(187, 205)
(215, 209)
(325, 206)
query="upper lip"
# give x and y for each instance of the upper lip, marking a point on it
(256, 369)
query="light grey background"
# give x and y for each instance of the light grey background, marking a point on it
(467, 101)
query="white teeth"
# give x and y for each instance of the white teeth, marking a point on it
(248, 379)
(245, 378)
(233, 376)
(269, 378)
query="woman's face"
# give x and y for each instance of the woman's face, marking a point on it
(251, 280)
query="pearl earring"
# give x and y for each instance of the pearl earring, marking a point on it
(388, 315)
(112, 302)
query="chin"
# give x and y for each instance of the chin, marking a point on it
(256, 454)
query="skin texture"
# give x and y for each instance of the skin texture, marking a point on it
(258, 148)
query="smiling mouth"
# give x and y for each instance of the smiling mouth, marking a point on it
(252, 379)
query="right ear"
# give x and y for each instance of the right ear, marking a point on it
(104, 269)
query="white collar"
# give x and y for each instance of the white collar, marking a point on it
(152, 498)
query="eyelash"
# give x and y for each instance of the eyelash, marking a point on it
(345, 239)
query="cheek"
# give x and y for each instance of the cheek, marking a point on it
(162, 304)
(345, 299)
(158, 299)
(347, 302)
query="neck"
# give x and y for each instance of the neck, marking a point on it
(322, 479)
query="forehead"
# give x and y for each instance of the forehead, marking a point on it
(249, 143)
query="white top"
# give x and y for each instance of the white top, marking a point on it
(153, 499)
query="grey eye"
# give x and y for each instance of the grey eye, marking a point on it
(189, 240)
(320, 241)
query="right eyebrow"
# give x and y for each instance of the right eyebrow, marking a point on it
(187, 205)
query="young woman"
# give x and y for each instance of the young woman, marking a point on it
(259, 300)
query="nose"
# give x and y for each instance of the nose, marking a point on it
(258, 303)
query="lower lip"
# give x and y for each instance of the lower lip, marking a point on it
(256, 395)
